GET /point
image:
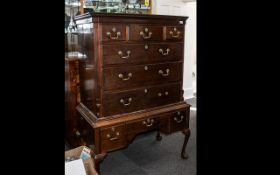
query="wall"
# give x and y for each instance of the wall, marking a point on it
(189, 85)
(184, 8)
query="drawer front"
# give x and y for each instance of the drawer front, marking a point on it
(175, 33)
(142, 53)
(126, 53)
(141, 98)
(113, 138)
(115, 32)
(145, 33)
(168, 52)
(143, 125)
(179, 120)
(141, 75)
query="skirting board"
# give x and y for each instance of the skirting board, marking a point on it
(188, 93)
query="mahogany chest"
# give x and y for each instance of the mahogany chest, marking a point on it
(131, 76)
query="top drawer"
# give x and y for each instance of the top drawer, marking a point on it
(174, 33)
(145, 33)
(136, 32)
(114, 32)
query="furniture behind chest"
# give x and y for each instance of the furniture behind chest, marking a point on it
(72, 98)
(131, 76)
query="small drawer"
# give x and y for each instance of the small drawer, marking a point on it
(113, 138)
(145, 33)
(179, 120)
(113, 132)
(143, 125)
(175, 33)
(114, 32)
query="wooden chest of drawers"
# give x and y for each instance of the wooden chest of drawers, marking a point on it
(131, 77)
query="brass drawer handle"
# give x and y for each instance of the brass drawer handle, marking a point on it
(146, 67)
(109, 34)
(127, 103)
(179, 120)
(177, 33)
(148, 122)
(129, 75)
(164, 53)
(146, 30)
(125, 57)
(164, 74)
(146, 47)
(113, 138)
(165, 93)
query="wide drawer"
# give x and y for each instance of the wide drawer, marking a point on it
(113, 138)
(128, 77)
(141, 98)
(142, 53)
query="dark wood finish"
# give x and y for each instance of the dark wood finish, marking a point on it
(131, 80)
(170, 52)
(143, 125)
(71, 101)
(95, 122)
(187, 133)
(179, 120)
(142, 75)
(158, 136)
(141, 98)
(130, 19)
(141, 53)
(98, 159)
(112, 138)
(145, 33)
(175, 33)
(117, 32)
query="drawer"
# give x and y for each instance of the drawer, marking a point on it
(179, 120)
(113, 138)
(143, 125)
(142, 53)
(145, 33)
(113, 32)
(168, 52)
(127, 77)
(141, 98)
(175, 33)
(126, 53)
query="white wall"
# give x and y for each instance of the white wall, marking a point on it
(184, 8)
(189, 85)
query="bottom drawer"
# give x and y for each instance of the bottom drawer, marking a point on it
(179, 120)
(143, 125)
(113, 138)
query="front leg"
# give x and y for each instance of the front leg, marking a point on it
(187, 133)
(98, 159)
(158, 137)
